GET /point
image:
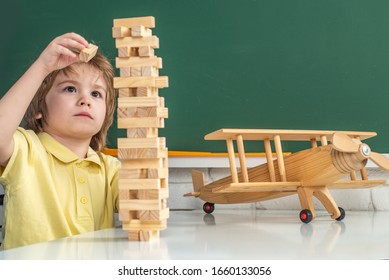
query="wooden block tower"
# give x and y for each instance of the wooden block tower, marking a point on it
(143, 179)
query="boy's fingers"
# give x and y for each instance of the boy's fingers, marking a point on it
(78, 38)
(72, 44)
(72, 41)
(67, 52)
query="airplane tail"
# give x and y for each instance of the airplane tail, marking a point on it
(198, 180)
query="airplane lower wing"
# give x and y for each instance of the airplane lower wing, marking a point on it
(258, 187)
(291, 186)
(195, 194)
(356, 184)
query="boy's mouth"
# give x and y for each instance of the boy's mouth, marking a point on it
(84, 114)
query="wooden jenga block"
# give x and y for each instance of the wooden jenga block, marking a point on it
(145, 132)
(140, 122)
(152, 215)
(142, 153)
(133, 92)
(146, 91)
(138, 62)
(159, 173)
(128, 51)
(140, 31)
(140, 184)
(133, 82)
(128, 143)
(125, 72)
(127, 92)
(143, 148)
(145, 51)
(144, 215)
(125, 215)
(142, 112)
(136, 71)
(149, 71)
(148, 22)
(88, 53)
(142, 163)
(152, 41)
(141, 132)
(153, 194)
(141, 204)
(133, 174)
(121, 31)
(137, 225)
(131, 102)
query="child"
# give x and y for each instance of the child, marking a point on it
(57, 181)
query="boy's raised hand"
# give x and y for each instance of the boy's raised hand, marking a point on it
(58, 54)
(13, 105)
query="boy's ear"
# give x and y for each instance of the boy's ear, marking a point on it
(38, 116)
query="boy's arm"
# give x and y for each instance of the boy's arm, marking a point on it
(15, 102)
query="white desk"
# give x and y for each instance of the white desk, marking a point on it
(233, 234)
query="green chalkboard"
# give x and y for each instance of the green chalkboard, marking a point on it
(291, 64)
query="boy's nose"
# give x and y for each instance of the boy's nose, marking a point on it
(84, 101)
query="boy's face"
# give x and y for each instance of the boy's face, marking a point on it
(76, 103)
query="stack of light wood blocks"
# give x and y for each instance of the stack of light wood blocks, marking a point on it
(143, 179)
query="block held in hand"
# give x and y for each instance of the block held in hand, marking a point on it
(88, 53)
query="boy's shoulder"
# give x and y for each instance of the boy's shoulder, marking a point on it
(26, 135)
(26, 132)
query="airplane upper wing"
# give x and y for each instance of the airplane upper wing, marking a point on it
(285, 134)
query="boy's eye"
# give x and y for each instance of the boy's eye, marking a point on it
(96, 94)
(70, 89)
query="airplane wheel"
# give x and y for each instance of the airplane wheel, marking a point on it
(306, 216)
(342, 214)
(208, 207)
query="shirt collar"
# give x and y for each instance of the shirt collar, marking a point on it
(62, 153)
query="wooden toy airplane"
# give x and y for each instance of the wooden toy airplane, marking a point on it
(309, 173)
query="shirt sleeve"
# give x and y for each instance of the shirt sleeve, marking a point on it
(22, 157)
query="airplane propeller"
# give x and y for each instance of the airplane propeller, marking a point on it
(344, 143)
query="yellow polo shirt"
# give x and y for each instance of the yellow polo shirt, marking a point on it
(51, 193)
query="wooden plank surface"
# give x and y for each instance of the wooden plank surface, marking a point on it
(357, 184)
(285, 134)
(258, 187)
(130, 22)
(133, 82)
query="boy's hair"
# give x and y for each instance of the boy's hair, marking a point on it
(38, 104)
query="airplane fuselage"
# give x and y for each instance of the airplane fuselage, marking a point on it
(315, 167)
